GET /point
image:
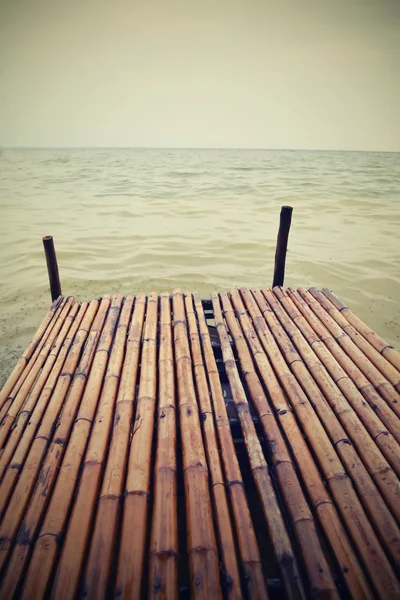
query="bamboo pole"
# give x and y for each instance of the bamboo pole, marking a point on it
(243, 333)
(65, 450)
(367, 447)
(376, 358)
(36, 450)
(383, 387)
(317, 569)
(323, 339)
(219, 483)
(57, 384)
(52, 267)
(202, 549)
(163, 569)
(247, 542)
(103, 543)
(16, 403)
(137, 491)
(351, 389)
(26, 356)
(281, 244)
(50, 371)
(381, 345)
(374, 559)
(383, 476)
(77, 535)
(25, 374)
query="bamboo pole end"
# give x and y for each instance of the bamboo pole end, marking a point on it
(281, 245)
(52, 266)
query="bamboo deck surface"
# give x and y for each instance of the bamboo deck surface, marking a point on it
(162, 446)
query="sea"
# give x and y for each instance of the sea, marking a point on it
(130, 220)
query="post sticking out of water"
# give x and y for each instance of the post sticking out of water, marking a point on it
(281, 245)
(52, 267)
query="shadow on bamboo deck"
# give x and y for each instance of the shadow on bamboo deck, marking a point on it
(165, 446)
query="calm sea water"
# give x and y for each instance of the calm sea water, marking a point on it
(130, 220)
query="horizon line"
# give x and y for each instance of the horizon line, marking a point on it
(193, 148)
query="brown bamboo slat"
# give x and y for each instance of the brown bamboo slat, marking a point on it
(47, 405)
(71, 561)
(137, 490)
(25, 462)
(202, 548)
(381, 345)
(382, 385)
(350, 380)
(16, 399)
(281, 458)
(50, 371)
(224, 470)
(374, 558)
(320, 577)
(103, 543)
(376, 358)
(282, 462)
(56, 484)
(366, 388)
(315, 373)
(32, 361)
(17, 402)
(27, 355)
(56, 432)
(163, 567)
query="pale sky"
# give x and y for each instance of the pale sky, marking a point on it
(318, 74)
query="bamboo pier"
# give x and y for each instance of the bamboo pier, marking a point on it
(164, 446)
(168, 447)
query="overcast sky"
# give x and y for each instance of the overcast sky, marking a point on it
(321, 74)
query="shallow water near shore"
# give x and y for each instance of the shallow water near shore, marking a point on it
(129, 220)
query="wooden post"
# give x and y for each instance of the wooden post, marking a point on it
(281, 245)
(52, 267)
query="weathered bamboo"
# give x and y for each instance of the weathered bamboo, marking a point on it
(384, 388)
(66, 448)
(57, 384)
(15, 404)
(230, 571)
(25, 374)
(319, 376)
(72, 557)
(387, 350)
(378, 468)
(374, 559)
(318, 572)
(163, 568)
(372, 457)
(103, 544)
(135, 510)
(320, 338)
(52, 267)
(35, 452)
(351, 390)
(380, 362)
(247, 542)
(281, 244)
(202, 549)
(290, 488)
(50, 371)
(26, 356)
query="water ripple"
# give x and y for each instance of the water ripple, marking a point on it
(143, 220)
